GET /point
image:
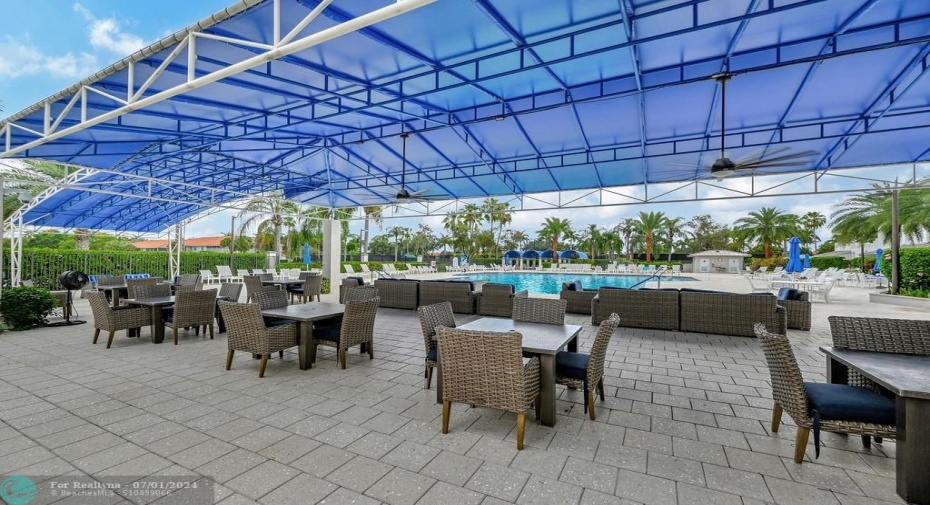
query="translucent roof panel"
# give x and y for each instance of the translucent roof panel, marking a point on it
(497, 97)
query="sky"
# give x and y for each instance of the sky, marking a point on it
(47, 45)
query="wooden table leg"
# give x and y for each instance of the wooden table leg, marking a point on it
(306, 350)
(158, 325)
(547, 389)
(912, 457)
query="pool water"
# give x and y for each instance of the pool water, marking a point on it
(551, 283)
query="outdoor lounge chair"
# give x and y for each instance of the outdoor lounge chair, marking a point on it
(111, 319)
(487, 369)
(575, 369)
(208, 276)
(246, 331)
(431, 317)
(357, 328)
(839, 408)
(224, 272)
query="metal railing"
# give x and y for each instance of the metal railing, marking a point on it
(657, 276)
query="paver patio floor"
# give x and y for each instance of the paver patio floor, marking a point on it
(686, 420)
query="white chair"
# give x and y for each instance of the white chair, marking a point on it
(676, 269)
(242, 272)
(822, 289)
(208, 277)
(757, 287)
(226, 274)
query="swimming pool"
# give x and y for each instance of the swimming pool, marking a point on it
(551, 283)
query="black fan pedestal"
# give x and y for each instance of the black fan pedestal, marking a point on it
(71, 280)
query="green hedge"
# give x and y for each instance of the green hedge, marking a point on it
(915, 271)
(826, 262)
(44, 266)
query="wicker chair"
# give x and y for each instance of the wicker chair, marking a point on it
(359, 294)
(902, 336)
(193, 309)
(801, 399)
(539, 310)
(487, 369)
(460, 293)
(152, 291)
(358, 326)
(311, 287)
(190, 280)
(133, 285)
(497, 299)
(432, 316)
(111, 320)
(579, 300)
(574, 369)
(231, 290)
(348, 282)
(798, 312)
(247, 332)
(253, 284)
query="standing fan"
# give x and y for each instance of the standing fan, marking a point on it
(724, 167)
(71, 280)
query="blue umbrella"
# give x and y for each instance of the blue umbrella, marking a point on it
(879, 254)
(463, 259)
(807, 260)
(794, 256)
(308, 258)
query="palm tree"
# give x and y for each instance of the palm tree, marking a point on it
(592, 236)
(768, 225)
(374, 214)
(554, 228)
(626, 229)
(497, 212)
(472, 216)
(649, 224)
(672, 229)
(398, 232)
(810, 222)
(269, 209)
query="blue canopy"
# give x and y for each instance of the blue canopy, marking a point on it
(513, 254)
(308, 257)
(546, 255)
(573, 255)
(879, 256)
(480, 85)
(794, 256)
(531, 254)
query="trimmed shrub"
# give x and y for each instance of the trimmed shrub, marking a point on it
(26, 307)
(757, 263)
(826, 262)
(915, 271)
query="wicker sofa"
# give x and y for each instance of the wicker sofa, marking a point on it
(461, 294)
(497, 299)
(578, 299)
(399, 293)
(637, 308)
(798, 308)
(730, 313)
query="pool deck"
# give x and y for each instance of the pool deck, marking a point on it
(686, 421)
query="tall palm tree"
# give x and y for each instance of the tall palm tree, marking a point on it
(626, 229)
(497, 212)
(269, 209)
(374, 214)
(649, 224)
(672, 230)
(399, 233)
(472, 216)
(768, 225)
(811, 222)
(553, 229)
(592, 236)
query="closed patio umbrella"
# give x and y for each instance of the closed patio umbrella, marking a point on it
(308, 258)
(794, 256)
(807, 261)
(879, 254)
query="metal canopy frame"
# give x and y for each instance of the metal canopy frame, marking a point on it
(308, 98)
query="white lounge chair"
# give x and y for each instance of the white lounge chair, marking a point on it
(348, 268)
(226, 274)
(208, 277)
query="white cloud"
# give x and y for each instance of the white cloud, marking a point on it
(22, 58)
(107, 34)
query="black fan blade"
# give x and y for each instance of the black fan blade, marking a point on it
(760, 154)
(792, 160)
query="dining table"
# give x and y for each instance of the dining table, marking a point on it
(306, 314)
(158, 321)
(543, 340)
(285, 283)
(907, 376)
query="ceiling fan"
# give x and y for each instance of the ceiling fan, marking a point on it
(404, 194)
(778, 157)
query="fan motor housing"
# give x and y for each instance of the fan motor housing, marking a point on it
(73, 279)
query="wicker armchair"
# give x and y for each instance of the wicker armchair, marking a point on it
(800, 399)
(152, 291)
(432, 316)
(497, 299)
(487, 369)
(253, 284)
(349, 282)
(359, 294)
(587, 370)
(111, 320)
(539, 310)
(133, 285)
(460, 293)
(358, 327)
(579, 301)
(193, 309)
(398, 293)
(798, 312)
(902, 336)
(231, 290)
(247, 333)
(312, 286)
(190, 280)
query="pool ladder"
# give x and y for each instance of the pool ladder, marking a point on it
(657, 276)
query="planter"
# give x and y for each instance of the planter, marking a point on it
(900, 300)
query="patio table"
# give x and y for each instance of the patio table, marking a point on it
(283, 282)
(115, 290)
(158, 322)
(542, 339)
(908, 377)
(306, 314)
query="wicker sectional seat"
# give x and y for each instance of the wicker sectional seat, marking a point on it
(399, 293)
(497, 299)
(730, 313)
(460, 293)
(637, 308)
(577, 298)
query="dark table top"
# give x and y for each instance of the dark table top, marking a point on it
(282, 282)
(307, 311)
(537, 338)
(162, 300)
(905, 375)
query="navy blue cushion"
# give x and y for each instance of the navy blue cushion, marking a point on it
(330, 333)
(789, 294)
(273, 321)
(359, 280)
(299, 290)
(571, 364)
(431, 355)
(841, 402)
